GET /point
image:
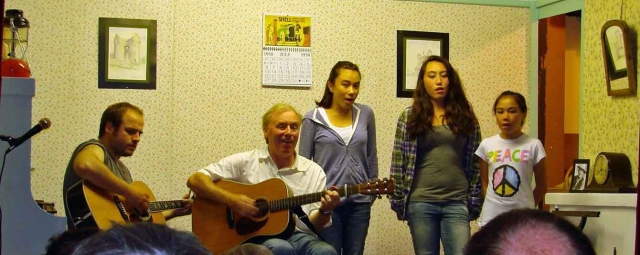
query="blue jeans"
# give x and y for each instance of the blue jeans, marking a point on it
(349, 227)
(299, 243)
(431, 221)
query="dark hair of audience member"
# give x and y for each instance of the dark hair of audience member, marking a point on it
(65, 242)
(529, 231)
(142, 239)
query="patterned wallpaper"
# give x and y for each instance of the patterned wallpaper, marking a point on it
(209, 99)
(608, 123)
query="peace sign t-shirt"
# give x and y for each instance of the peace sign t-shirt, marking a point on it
(510, 170)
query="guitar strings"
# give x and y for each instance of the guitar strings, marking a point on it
(263, 204)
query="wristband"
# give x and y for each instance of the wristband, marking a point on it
(323, 212)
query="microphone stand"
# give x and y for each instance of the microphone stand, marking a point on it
(4, 160)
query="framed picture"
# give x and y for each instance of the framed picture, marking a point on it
(414, 48)
(580, 177)
(126, 53)
(618, 51)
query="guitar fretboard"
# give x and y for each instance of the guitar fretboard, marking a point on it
(158, 206)
(290, 202)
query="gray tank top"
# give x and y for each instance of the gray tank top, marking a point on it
(71, 178)
(439, 176)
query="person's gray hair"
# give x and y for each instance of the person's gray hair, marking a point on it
(142, 239)
(529, 231)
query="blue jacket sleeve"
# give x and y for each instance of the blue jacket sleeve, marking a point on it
(372, 151)
(307, 137)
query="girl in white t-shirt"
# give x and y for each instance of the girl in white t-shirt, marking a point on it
(509, 161)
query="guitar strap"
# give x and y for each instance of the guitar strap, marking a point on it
(305, 218)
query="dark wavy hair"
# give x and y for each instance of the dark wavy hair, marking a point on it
(327, 98)
(459, 114)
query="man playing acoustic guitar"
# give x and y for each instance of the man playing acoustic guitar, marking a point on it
(281, 125)
(98, 162)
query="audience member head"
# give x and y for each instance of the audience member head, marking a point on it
(142, 239)
(345, 70)
(529, 232)
(66, 242)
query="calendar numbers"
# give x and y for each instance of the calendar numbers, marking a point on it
(286, 66)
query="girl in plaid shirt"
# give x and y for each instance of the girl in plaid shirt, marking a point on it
(433, 165)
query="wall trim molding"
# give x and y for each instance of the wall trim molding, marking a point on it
(542, 3)
(505, 3)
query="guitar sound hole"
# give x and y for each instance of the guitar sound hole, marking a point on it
(263, 206)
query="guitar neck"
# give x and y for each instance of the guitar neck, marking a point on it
(291, 202)
(159, 206)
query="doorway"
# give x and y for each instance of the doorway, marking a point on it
(559, 46)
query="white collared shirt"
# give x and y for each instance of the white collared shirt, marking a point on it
(304, 177)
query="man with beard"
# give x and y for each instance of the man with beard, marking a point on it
(98, 161)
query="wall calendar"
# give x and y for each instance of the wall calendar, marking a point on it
(286, 51)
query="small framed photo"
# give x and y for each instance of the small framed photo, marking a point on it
(580, 177)
(414, 47)
(126, 53)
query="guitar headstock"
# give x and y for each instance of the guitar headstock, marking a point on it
(376, 187)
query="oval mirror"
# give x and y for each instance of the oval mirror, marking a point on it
(619, 58)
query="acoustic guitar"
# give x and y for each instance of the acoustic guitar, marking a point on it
(220, 229)
(91, 206)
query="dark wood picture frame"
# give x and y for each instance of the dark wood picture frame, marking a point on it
(413, 48)
(618, 49)
(580, 176)
(126, 53)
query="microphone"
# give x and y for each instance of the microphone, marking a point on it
(44, 123)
